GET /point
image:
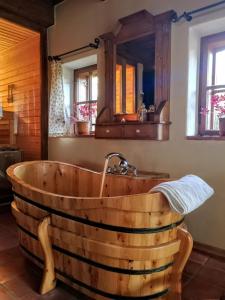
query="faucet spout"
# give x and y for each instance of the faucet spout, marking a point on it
(115, 154)
(124, 168)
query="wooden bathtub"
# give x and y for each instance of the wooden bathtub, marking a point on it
(125, 245)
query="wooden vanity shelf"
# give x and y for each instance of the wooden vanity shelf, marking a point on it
(133, 130)
(142, 42)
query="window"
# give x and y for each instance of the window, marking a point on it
(86, 94)
(125, 87)
(212, 81)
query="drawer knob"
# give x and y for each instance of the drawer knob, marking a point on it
(107, 131)
(138, 130)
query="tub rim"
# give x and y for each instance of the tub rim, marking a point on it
(13, 178)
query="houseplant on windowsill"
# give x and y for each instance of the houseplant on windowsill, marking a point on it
(218, 102)
(82, 124)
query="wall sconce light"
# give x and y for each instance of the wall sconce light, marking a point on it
(10, 93)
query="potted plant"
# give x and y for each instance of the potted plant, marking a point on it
(218, 102)
(82, 122)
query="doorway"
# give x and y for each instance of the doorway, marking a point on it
(20, 89)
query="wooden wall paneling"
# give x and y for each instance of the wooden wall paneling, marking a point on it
(35, 16)
(7, 129)
(22, 65)
(11, 35)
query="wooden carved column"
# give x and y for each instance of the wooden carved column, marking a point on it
(162, 57)
(110, 74)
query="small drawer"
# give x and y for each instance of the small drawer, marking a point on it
(108, 131)
(140, 131)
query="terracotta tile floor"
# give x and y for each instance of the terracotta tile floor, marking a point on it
(204, 277)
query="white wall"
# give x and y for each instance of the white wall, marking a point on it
(79, 22)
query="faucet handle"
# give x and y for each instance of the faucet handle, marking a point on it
(132, 169)
(109, 170)
(123, 163)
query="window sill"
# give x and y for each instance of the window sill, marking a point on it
(206, 138)
(72, 136)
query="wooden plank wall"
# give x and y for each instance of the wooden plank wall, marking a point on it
(7, 129)
(20, 66)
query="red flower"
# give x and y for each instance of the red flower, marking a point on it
(88, 110)
(218, 102)
(204, 111)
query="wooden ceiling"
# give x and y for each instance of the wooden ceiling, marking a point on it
(12, 34)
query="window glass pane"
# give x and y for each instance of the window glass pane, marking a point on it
(78, 112)
(130, 89)
(118, 89)
(93, 107)
(82, 88)
(212, 111)
(220, 68)
(67, 97)
(94, 86)
(209, 68)
(85, 106)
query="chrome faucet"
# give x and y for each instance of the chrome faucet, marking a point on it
(124, 168)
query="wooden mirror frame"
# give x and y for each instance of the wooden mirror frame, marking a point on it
(130, 28)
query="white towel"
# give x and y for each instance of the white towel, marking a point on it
(186, 194)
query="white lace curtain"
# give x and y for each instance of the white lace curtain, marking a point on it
(57, 122)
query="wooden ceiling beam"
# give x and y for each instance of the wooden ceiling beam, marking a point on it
(40, 12)
(57, 1)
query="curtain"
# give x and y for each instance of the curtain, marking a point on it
(57, 125)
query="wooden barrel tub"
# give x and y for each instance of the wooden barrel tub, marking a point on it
(125, 245)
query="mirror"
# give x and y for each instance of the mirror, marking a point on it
(135, 75)
(137, 78)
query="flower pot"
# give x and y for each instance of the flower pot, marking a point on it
(222, 126)
(82, 127)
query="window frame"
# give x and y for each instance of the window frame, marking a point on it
(77, 72)
(209, 44)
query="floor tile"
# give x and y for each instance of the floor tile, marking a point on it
(23, 285)
(192, 268)
(11, 270)
(198, 257)
(185, 279)
(216, 264)
(4, 295)
(212, 276)
(202, 290)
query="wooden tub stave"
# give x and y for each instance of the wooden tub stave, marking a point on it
(117, 247)
(148, 261)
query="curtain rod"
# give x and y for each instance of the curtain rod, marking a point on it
(94, 45)
(188, 15)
